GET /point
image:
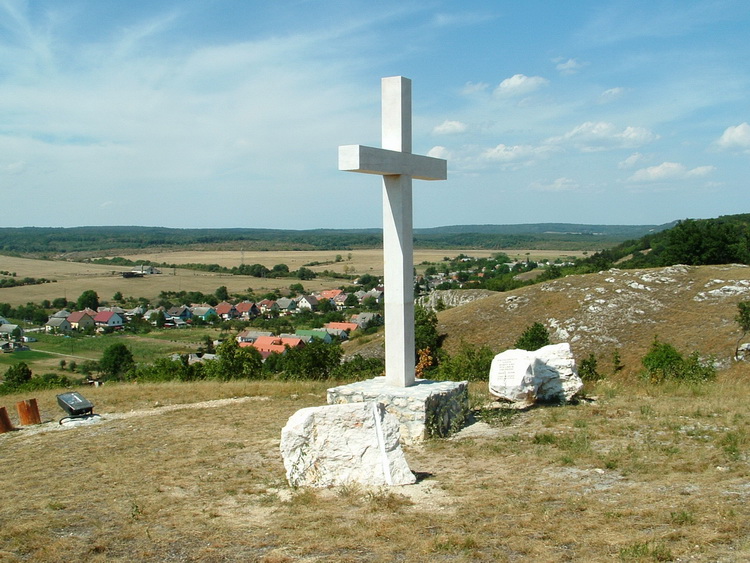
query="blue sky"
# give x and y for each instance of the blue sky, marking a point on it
(219, 113)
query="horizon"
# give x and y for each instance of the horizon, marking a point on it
(208, 113)
(376, 228)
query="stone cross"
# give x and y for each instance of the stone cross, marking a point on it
(395, 163)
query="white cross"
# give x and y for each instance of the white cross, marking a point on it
(397, 166)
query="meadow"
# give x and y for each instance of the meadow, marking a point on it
(192, 472)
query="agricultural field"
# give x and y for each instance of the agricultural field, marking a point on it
(73, 278)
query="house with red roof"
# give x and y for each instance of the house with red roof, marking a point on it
(268, 345)
(247, 310)
(226, 311)
(107, 319)
(330, 293)
(80, 320)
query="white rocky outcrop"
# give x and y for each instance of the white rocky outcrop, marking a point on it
(545, 375)
(343, 444)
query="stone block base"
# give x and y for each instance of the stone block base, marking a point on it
(424, 410)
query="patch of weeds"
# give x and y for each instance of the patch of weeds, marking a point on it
(268, 498)
(730, 443)
(611, 461)
(581, 423)
(454, 544)
(304, 497)
(496, 417)
(681, 517)
(544, 439)
(553, 416)
(234, 445)
(643, 551)
(647, 411)
(349, 491)
(135, 511)
(387, 501)
(670, 450)
(578, 444)
(567, 460)
(56, 505)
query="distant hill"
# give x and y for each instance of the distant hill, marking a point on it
(610, 231)
(52, 241)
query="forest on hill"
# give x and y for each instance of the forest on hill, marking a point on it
(724, 240)
(51, 241)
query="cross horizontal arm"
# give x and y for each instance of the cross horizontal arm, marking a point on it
(371, 160)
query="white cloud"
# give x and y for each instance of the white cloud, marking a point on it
(474, 87)
(611, 94)
(520, 85)
(507, 153)
(631, 161)
(571, 66)
(735, 137)
(449, 127)
(559, 185)
(440, 152)
(669, 171)
(598, 136)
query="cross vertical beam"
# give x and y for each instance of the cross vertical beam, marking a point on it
(397, 166)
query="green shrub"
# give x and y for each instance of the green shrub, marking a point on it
(470, 363)
(663, 362)
(359, 368)
(587, 369)
(533, 338)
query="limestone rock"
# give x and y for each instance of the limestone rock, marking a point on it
(545, 375)
(342, 444)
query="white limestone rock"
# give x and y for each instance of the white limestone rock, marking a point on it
(342, 444)
(545, 375)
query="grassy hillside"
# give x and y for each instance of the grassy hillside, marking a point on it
(691, 307)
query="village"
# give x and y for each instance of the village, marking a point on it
(109, 319)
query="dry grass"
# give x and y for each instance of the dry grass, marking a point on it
(642, 474)
(602, 312)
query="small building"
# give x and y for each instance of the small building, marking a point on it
(268, 306)
(286, 305)
(226, 311)
(318, 334)
(108, 319)
(307, 302)
(8, 331)
(145, 270)
(80, 320)
(57, 325)
(247, 310)
(205, 313)
(251, 336)
(178, 312)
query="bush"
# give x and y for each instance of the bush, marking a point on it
(587, 369)
(663, 362)
(359, 368)
(17, 375)
(533, 338)
(468, 364)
